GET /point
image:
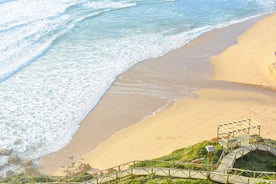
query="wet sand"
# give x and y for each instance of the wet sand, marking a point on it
(146, 88)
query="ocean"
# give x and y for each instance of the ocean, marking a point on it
(59, 57)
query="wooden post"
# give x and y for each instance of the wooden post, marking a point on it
(228, 135)
(227, 179)
(131, 172)
(217, 133)
(208, 175)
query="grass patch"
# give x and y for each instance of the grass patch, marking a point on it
(257, 161)
(182, 158)
(22, 179)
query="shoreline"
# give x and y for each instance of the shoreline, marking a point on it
(157, 136)
(128, 83)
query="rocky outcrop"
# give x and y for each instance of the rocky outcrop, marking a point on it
(84, 167)
(14, 159)
(5, 152)
(27, 163)
(9, 173)
(31, 171)
(76, 167)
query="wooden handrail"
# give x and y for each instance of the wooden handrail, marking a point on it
(124, 170)
(254, 174)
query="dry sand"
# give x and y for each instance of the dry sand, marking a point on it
(192, 120)
(153, 84)
(253, 59)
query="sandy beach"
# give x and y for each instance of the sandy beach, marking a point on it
(182, 97)
(187, 122)
(253, 59)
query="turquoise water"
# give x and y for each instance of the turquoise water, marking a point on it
(58, 57)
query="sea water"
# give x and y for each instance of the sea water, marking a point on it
(59, 57)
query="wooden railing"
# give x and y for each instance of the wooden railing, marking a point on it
(252, 174)
(237, 177)
(115, 169)
(266, 147)
(143, 171)
(231, 175)
(241, 153)
(220, 159)
(255, 146)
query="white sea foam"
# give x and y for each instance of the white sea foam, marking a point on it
(20, 46)
(265, 2)
(106, 4)
(27, 38)
(25, 10)
(26, 31)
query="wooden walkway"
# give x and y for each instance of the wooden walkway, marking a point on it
(180, 173)
(224, 173)
(229, 160)
(221, 174)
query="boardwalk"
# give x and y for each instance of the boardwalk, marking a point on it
(229, 159)
(226, 165)
(221, 174)
(180, 173)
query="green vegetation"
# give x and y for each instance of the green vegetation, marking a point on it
(269, 141)
(21, 179)
(257, 161)
(192, 157)
(150, 179)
